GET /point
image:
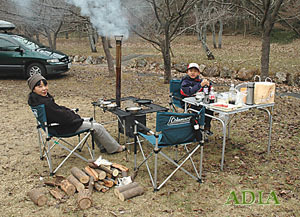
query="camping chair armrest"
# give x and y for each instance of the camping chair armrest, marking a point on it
(76, 110)
(178, 98)
(144, 127)
(194, 110)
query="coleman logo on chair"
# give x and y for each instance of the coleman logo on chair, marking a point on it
(177, 121)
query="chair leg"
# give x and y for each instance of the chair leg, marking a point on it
(201, 161)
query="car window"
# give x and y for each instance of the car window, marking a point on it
(27, 43)
(6, 45)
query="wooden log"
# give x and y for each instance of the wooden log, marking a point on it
(113, 172)
(120, 167)
(56, 193)
(84, 199)
(92, 165)
(105, 189)
(56, 181)
(108, 183)
(68, 187)
(98, 186)
(91, 172)
(91, 184)
(101, 174)
(78, 185)
(80, 175)
(50, 183)
(38, 196)
(130, 193)
(120, 189)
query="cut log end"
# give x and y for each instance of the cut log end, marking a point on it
(84, 199)
(38, 196)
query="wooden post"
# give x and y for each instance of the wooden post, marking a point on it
(38, 196)
(78, 185)
(80, 175)
(120, 189)
(131, 193)
(68, 187)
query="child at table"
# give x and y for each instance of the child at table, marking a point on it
(190, 85)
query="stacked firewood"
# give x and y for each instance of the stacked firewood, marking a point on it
(93, 177)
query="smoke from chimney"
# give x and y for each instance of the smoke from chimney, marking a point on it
(106, 16)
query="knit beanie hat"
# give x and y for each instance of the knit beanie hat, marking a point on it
(35, 78)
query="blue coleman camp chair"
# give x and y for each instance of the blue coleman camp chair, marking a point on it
(175, 96)
(47, 135)
(172, 129)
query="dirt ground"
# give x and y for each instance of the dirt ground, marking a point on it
(247, 165)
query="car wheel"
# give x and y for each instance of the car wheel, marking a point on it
(35, 68)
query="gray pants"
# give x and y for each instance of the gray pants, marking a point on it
(102, 138)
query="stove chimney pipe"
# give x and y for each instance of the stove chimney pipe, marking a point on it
(118, 39)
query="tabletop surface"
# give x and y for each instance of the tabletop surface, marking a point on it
(146, 108)
(192, 101)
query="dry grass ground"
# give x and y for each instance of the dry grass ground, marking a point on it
(247, 165)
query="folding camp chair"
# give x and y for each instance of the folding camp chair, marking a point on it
(175, 96)
(172, 129)
(47, 135)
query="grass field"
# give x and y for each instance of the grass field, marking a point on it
(237, 52)
(248, 167)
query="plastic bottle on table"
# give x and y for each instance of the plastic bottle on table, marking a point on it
(206, 94)
(212, 95)
(232, 94)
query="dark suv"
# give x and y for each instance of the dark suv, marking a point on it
(24, 56)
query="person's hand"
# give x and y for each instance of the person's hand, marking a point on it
(204, 82)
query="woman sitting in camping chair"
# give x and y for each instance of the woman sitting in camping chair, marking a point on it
(69, 122)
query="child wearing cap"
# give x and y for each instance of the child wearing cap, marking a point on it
(191, 84)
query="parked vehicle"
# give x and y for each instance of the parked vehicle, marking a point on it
(23, 56)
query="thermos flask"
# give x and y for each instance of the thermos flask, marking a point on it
(250, 93)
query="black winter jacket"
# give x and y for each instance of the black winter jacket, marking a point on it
(68, 120)
(190, 87)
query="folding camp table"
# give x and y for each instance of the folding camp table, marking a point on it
(126, 118)
(225, 121)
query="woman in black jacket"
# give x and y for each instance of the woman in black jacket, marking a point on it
(69, 121)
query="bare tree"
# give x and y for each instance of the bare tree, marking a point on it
(160, 24)
(266, 12)
(38, 17)
(207, 13)
(110, 63)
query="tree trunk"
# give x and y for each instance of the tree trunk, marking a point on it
(55, 34)
(109, 58)
(208, 53)
(204, 32)
(167, 60)
(91, 39)
(265, 54)
(49, 37)
(213, 30)
(220, 34)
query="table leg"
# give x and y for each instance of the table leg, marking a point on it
(224, 126)
(270, 116)
(224, 143)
